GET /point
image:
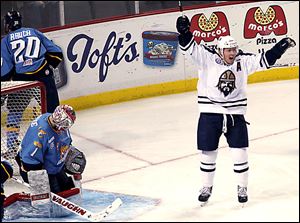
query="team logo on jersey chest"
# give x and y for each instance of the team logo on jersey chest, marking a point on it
(226, 82)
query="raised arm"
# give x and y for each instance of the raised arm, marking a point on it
(279, 49)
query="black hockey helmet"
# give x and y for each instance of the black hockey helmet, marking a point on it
(12, 21)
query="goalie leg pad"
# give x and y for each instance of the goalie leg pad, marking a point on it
(39, 187)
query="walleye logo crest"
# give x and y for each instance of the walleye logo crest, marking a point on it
(226, 82)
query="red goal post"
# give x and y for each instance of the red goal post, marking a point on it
(21, 103)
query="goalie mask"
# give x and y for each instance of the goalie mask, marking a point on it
(12, 21)
(63, 117)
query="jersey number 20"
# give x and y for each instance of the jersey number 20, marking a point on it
(31, 51)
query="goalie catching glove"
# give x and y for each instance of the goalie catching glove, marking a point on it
(75, 161)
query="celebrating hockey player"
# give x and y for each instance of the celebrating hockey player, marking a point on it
(47, 146)
(222, 100)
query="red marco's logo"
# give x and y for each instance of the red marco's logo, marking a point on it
(208, 30)
(265, 23)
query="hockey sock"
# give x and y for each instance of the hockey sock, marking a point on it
(208, 167)
(240, 165)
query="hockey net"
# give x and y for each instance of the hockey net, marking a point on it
(21, 103)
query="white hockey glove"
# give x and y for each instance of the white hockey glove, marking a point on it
(75, 161)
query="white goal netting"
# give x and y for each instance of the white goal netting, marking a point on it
(21, 103)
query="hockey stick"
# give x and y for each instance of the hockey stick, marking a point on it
(76, 209)
(180, 8)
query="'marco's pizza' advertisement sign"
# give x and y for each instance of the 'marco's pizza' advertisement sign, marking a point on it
(138, 56)
(209, 29)
(264, 23)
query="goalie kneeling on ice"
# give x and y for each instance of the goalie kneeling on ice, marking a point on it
(19, 205)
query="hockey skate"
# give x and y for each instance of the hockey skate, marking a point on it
(205, 193)
(242, 195)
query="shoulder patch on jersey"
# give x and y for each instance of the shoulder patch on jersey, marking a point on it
(218, 60)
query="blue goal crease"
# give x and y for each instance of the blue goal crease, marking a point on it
(95, 201)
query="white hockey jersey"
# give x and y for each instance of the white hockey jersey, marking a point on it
(222, 88)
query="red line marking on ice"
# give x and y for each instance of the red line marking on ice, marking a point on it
(112, 148)
(162, 162)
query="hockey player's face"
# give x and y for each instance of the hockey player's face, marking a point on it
(229, 55)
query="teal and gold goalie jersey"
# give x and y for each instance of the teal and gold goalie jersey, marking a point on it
(43, 145)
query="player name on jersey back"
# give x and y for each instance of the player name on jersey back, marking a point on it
(18, 35)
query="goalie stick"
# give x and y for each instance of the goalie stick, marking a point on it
(76, 209)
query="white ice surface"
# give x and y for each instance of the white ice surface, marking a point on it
(147, 147)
